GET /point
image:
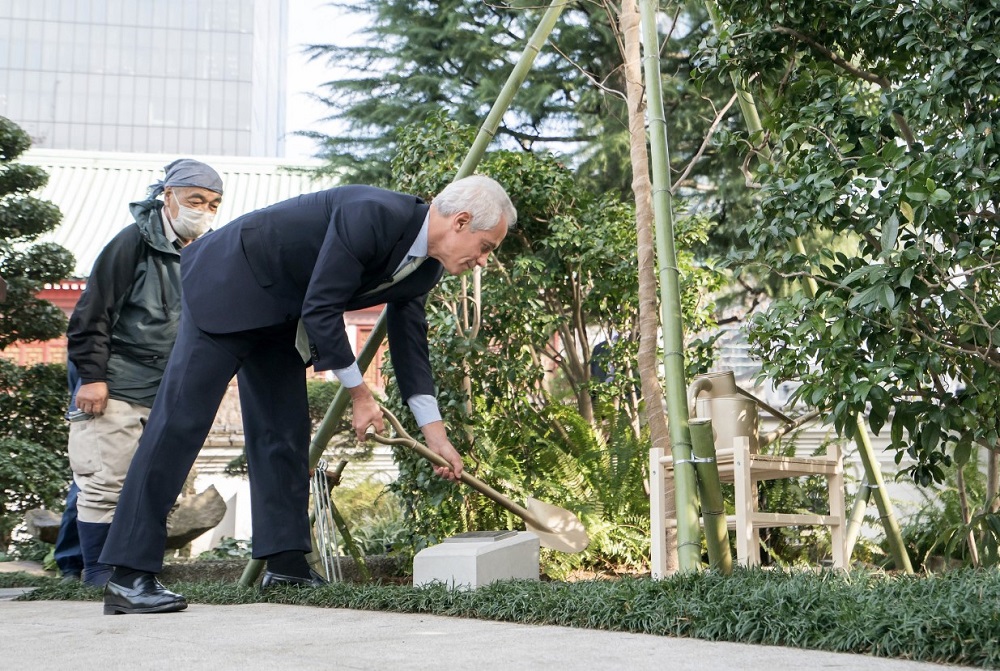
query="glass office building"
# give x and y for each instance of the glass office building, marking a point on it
(170, 76)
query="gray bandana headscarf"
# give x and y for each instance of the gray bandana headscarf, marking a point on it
(188, 172)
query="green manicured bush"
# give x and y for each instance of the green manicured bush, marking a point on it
(34, 468)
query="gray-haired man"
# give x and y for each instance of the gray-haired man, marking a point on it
(120, 336)
(307, 261)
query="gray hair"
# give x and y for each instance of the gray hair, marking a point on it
(480, 196)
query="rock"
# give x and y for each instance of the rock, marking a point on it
(193, 516)
(43, 524)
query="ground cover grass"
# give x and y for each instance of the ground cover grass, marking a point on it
(948, 618)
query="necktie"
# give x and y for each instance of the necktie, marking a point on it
(409, 264)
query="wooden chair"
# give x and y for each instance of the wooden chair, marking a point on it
(745, 469)
(739, 461)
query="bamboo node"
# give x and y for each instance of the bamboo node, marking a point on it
(696, 460)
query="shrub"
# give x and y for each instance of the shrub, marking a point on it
(229, 548)
(34, 468)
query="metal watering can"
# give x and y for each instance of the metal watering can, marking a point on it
(733, 412)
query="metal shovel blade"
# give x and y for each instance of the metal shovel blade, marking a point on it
(560, 529)
(556, 528)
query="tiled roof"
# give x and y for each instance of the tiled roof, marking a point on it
(93, 190)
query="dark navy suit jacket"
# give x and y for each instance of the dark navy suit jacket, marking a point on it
(316, 256)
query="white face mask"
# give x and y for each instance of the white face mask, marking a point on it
(189, 222)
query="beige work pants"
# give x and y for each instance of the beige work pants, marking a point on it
(100, 451)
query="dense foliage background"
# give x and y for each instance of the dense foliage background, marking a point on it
(880, 121)
(877, 155)
(516, 388)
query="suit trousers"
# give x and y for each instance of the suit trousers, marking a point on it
(275, 410)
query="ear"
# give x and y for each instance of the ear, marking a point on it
(462, 219)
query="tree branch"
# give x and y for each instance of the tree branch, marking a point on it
(840, 61)
(836, 58)
(704, 144)
(527, 137)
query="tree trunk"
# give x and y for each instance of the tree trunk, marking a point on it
(648, 362)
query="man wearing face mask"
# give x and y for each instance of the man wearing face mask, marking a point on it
(120, 336)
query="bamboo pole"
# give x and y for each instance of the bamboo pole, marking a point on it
(867, 455)
(873, 478)
(662, 540)
(514, 81)
(685, 492)
(713, 509)
(861, 500)
(486, 133)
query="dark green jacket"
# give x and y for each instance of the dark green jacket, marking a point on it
(125, 324)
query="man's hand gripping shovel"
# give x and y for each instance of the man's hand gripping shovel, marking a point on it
(556, 528)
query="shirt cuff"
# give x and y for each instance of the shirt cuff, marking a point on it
(424, 408)
(350, 377)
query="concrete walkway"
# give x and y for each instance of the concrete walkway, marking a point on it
(73, 634)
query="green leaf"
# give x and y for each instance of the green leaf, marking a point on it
(962, 453)
(907, 210)
(876, 420)
(940, 196)
(889, 232)
(887, 297)
(854, 275)
(896, 432)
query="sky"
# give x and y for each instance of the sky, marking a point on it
(311, 22)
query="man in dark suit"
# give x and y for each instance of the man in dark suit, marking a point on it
(253, 292)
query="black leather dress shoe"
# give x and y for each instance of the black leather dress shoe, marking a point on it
(142, 594)
(277, 580)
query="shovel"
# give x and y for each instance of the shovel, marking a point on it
(556, 528)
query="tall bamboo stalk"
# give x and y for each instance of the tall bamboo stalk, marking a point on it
(685, 493)
(857, 517)
(713, 509)
(874, 480)
(873, 474)
(966, 511)
(514, 81)
(663, 540)
(486, 133)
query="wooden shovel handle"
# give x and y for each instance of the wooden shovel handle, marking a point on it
(407, 440)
